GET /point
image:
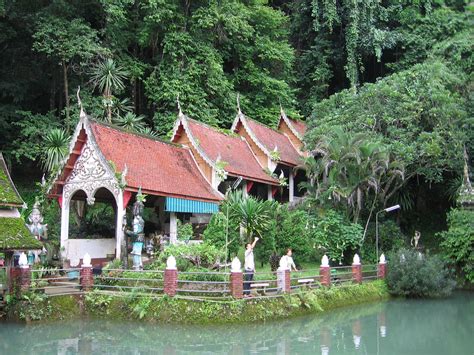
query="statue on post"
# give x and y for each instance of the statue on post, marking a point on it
(415, 239)
(137, 234)
(39, 231)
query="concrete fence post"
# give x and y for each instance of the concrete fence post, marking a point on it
(287, 288)
(381, 267)
(236, 279)
(171, 277)
(356, 270)
(86, 274)
(325, 271)
(24, 277)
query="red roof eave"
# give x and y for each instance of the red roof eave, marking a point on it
(167, 194)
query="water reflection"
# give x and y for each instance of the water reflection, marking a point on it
(395, 327)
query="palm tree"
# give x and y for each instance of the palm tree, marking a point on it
(348, 166)
(108, 77)
(56, 149)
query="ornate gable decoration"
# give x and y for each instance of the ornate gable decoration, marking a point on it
(284, 118)
(91, 172)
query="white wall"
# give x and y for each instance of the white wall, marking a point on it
(97, 248)
(9, 213)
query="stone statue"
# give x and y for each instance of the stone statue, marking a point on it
(137, 234)
(416, 238)
(40, 232)
(36, 226)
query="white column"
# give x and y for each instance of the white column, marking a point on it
(291, 186)
(173, 228)
(244, 189)
(119, 225)
(64, 227)
(270, 194)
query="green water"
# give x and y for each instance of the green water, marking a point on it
(393, 327)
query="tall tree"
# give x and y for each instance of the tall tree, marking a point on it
(65, 41)
(109, 78)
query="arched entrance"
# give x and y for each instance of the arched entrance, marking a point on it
(91, 222)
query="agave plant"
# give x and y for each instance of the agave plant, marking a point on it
(149, 132)
(131, 122)
(253, 215)
(56, 148)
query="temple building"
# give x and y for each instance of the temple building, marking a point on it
(108, 164)
(222, 157)
(184, 179)
(280, 152)
(14, 234)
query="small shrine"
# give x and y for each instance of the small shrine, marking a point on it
(15, 238)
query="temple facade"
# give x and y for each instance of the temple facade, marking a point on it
(184, 179)
(109, 165)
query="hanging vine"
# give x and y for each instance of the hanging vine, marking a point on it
(364, 25)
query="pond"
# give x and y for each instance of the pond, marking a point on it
(393, 327)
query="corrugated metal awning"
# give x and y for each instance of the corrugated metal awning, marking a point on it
(174, 204)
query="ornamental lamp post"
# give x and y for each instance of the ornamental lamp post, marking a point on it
(388, 209)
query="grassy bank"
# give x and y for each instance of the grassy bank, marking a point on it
(179, 310)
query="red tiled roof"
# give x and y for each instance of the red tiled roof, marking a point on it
(299, 126)
(271, 139)
(155, 166)
(233, 150)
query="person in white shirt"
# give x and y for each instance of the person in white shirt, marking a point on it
(249, 266)
(288, 260)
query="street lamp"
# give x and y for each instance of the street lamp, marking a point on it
(388, 209)
(230, 188)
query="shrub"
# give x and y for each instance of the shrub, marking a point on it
(412, 274)
(185, 231)
(390, 238)
(292, 231)
(199, 255)
(457, 243)
(336, 235)
(215, 233)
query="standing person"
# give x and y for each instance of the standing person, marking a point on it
(288, 260)
(249, 267)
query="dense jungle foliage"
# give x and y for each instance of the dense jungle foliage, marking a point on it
(385, 87)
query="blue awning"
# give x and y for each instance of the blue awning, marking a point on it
(189, 206)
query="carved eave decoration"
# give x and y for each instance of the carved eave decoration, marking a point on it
(91, 170)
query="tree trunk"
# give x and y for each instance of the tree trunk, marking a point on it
(66, 93)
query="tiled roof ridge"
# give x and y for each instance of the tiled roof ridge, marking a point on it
(263, 125)
(229, 134)
(141, 135)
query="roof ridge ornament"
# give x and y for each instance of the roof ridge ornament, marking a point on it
(82, 114)
(238, 104)
(180, 112)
